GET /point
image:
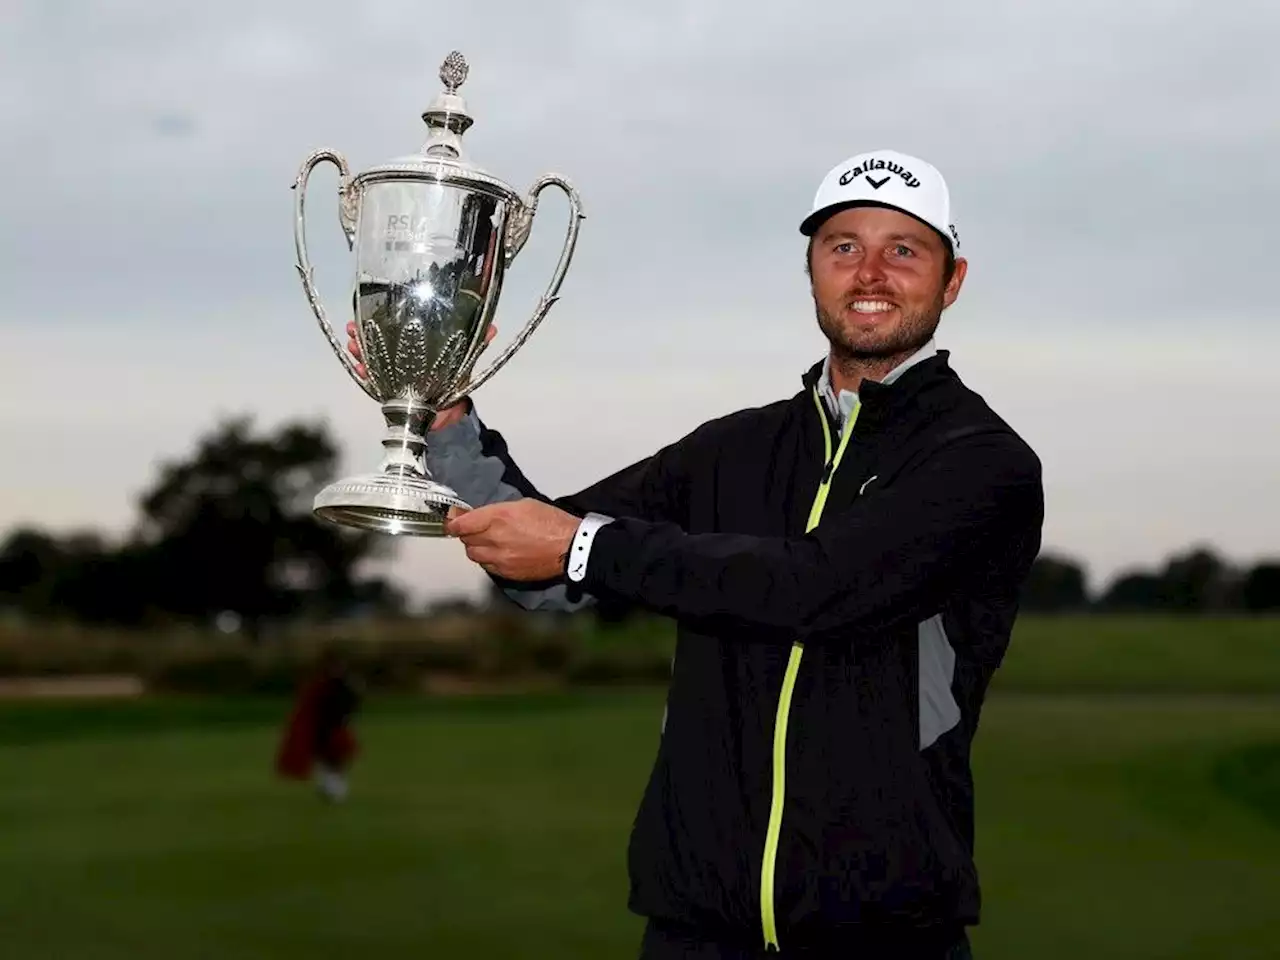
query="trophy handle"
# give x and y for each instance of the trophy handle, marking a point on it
(347, 212)
(517, 233)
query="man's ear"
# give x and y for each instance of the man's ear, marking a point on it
(952, 291)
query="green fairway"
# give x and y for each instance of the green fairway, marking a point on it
(1132, 654)
(1110, 827)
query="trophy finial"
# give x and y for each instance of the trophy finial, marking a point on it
(453, 72)
(447, 118)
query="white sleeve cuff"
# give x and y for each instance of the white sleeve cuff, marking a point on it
(580, 549)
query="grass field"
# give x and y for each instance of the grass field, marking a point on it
(1112, 824)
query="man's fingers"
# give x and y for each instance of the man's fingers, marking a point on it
(484, 554)
(453, 526)
(353, 346)
(482, 539)
(465, 523)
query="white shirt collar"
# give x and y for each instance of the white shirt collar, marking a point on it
(843, 405)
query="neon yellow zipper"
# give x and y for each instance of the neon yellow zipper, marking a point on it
(788, 688)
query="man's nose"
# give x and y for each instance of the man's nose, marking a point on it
(871, 269)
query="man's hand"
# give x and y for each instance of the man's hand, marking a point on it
(522, 540)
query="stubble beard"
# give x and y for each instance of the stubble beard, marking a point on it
(906, 338)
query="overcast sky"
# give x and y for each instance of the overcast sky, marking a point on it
(1115, 170)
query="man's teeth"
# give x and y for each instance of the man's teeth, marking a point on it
(872, 306)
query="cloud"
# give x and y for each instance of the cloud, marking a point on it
(173, 125)
(1087, 145)
(1111, 167)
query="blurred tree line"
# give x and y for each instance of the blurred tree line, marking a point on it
(1197, 581)
(226, 536)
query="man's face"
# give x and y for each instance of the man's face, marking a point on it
(879, 283)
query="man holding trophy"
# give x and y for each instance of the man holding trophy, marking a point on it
(844, 566)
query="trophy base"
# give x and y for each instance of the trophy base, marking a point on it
(391, 503)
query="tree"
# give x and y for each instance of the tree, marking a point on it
(1198, 581)
(99, 583)
(77, 577)
(1132, 592)
(1260, 589)
(1055, 584)
(231, 528)
(30, 564)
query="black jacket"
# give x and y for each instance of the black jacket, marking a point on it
(814, 763)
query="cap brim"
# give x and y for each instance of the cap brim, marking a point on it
(810, 224)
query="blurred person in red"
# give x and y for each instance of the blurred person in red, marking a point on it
(318, 741)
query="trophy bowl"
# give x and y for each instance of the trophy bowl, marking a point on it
(433, 235)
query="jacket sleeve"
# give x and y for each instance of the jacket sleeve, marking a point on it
(652, 489)
(476, 461)
(893, 557)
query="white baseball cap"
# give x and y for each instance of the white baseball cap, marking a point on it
(886, 178)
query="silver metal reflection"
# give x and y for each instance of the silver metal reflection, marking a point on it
(433, 235)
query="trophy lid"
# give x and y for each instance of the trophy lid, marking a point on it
(447, 118)
(443, 157)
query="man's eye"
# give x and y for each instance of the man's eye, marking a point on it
(902, 250)
(844, 248)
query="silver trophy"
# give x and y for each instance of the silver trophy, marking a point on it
(433, 235)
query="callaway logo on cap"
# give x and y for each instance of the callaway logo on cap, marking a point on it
(886, 178)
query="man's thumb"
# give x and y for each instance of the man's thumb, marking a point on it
(450, 523)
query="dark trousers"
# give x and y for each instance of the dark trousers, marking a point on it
(662, 941)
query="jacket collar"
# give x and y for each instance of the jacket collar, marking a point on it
(878, 398)
(843, 403)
